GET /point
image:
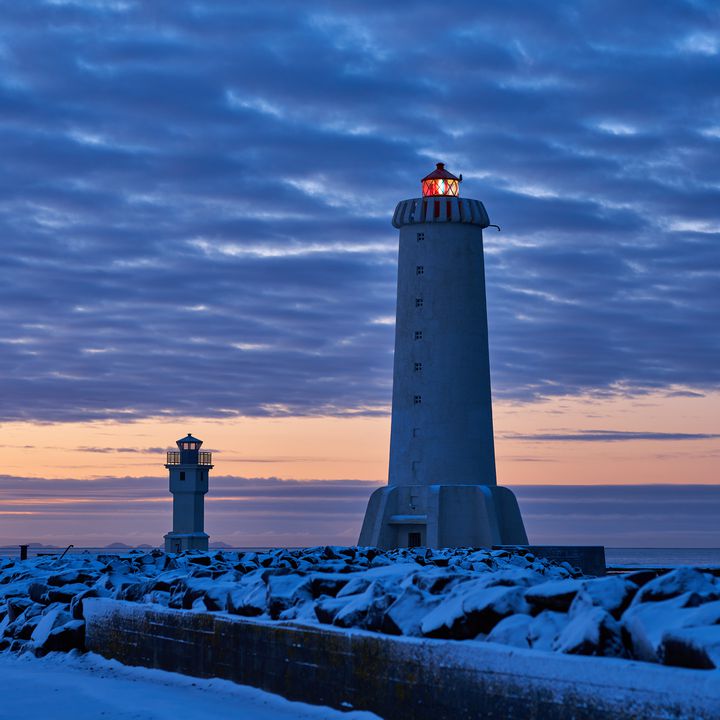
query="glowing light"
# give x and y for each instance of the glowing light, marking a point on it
(441, 182)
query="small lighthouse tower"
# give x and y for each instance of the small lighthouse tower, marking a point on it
(442, 490)
(189, 469)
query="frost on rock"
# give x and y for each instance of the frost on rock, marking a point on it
(503, 596)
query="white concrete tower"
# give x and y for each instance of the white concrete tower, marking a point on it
(189, 470)
(442, 490)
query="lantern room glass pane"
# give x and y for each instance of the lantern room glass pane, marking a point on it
(440, 186)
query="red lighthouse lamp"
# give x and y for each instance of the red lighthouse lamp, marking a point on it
(441, 182)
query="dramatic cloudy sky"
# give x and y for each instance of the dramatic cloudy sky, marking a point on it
(194, 226)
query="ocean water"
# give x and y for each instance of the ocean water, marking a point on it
(662, 557)
(614, 557)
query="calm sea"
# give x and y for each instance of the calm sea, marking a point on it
(618, 557)
(662, 557)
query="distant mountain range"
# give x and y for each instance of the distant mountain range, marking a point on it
(218, 545)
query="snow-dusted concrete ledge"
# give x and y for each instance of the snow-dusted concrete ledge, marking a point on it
(397, 677)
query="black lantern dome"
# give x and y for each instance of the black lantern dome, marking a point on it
(189, 443)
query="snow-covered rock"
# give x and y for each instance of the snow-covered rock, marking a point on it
(545, 628)
(613, 594)
(472, 609)
(593, 632)
(512, 630)
(695, 647)
(405, 615)
(678, 582)
(645, 624)
(285, 591)
(505, 596)
(366, 610)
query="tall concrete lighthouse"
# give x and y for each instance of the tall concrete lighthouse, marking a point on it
(189, 469)
(442, 490)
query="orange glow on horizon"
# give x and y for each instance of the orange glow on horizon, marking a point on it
(356, 448)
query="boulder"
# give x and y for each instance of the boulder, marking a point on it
(697, 647)
(186, 592)
(72, 577)
(328, 607)
(436, 579)
(645, 624)
(37, 592)
(366, 610)
(16, 606)
(545, 628)
(512, 630)
(405, 615)
(285, 591)
(327, 584)
(678, 582)
(592, 632)
(472, 609)
(63, 638)
(249, 599)
(554, 595)
(65, 593)
(167, 580)
(641, 577)
(54, 616)
(26, 628)
(613, 594)
(355, 586)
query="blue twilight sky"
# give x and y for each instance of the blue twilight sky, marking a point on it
(198, 195)
(195, 204)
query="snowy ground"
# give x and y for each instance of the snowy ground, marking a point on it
(88, 687)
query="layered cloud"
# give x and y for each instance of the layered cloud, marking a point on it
(195, 198)
(252, 512)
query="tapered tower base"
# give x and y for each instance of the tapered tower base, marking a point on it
(179, 542)
(442, 516)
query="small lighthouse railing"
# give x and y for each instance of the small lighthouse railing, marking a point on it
(174, 457)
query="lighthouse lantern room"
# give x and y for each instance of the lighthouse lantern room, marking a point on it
(441, 182)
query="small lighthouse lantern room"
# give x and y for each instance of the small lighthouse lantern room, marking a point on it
(189, 470)
(441, 182)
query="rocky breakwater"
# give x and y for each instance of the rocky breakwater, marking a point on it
(501, 596)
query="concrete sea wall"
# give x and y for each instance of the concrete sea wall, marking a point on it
(397, 677)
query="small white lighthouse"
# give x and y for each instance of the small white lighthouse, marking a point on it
(189, 469)
(442, 490)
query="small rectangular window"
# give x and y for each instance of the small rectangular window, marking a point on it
(418, 367)
(420, 270)
(418, 334)
(417, 399)
(418, 302)
(420, 237)
(182, 474)
(416, 432)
